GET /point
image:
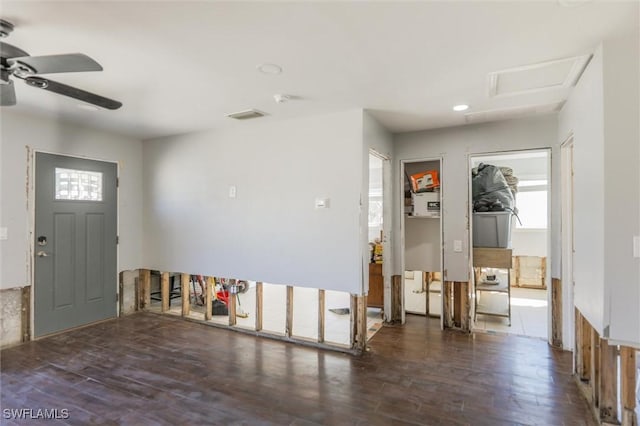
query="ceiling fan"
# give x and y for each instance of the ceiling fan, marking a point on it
(15, 62)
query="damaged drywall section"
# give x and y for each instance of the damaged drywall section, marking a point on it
(14, 316)
(128, 290)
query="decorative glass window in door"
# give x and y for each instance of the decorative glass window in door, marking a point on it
(78, 185)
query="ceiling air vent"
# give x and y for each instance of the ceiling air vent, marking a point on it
(246, 114)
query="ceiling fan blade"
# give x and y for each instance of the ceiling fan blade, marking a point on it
(72, 92)
(72, 62)
(8, 51)
(7, 94)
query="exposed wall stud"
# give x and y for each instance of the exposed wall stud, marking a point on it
(628, 369)
(259, 291)
(209, 288)
(609, 382)
(25, 313)
(556, 312)
(145, 288)
(594, 367)
(585, 350)
(164, 291)
(233, 300)
(396, 298)
(289, 318)
(321, 309)
(184, 285)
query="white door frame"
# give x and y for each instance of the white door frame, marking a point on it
(31, 214)
(387, 226)
(550, 190)
(566, 195)
(402, 230)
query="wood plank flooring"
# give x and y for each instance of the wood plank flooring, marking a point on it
(148, 369)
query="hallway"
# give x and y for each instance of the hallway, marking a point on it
(151, 369)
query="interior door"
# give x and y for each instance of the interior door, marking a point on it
(75, 242)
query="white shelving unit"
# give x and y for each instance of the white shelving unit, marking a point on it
(495, 258)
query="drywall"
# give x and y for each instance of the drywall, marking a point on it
(529, 242)
(602, 114)
(49, 135)
(271, 231)
(583, 117)
(621, 82)
(455, 145)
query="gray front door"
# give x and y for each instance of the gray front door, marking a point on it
(75, 242)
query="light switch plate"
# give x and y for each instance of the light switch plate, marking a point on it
(457, 246)
(4, 233)
(232, 191)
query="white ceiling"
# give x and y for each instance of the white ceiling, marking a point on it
(181, 66)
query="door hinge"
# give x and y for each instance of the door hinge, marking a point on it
(117, 182)
(117, 239)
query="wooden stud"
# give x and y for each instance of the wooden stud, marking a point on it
(352, 321)
(543, 273)
(209, 286)
(516, 267)
(25, 313)
(321, 309)
(628, 368)
(289, 316)
(186, 302)
(556, 312)
(233, 300)
(136, 291)
(585, 350)
(259, 306)
(145, 288)
(447, 312)
(464, 305)
(608, 382)
(577, 351)
(164, 291)
(594, 367)
(361, 325)
(120, 293)
(396, 298)
(426, 280)
(457, 304)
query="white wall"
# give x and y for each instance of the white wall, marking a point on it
(455, 145)
(602, 114)
(529, 242)
(271, 232)
(621, 73)
(50, 135)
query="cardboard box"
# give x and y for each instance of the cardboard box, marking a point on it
(426, 204)
(425, 181)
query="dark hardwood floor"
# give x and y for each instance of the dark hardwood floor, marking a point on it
(151, 369)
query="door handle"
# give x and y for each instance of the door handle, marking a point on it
(42, 253)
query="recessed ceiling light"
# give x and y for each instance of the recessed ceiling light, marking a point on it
(88, 107)
(461, 107)
(272, 69)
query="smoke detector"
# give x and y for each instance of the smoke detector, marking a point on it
(280, 98)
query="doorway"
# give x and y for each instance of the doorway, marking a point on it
(422, 248)
(511, 295)
(75, 242)
(379, 257)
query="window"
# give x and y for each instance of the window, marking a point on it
(78, 185)
(531, 201)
